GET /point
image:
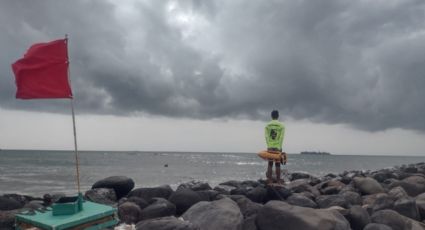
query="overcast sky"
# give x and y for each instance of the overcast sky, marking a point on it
(347, 76)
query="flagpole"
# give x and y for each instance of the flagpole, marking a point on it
(77, 163)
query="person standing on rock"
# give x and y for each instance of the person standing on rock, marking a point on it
(274, 133)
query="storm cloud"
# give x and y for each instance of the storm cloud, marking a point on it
(360, 63)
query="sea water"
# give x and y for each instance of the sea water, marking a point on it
(36, 172)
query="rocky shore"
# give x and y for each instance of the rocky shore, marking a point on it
(360, 200)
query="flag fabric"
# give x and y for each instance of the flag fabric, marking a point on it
(43, 71)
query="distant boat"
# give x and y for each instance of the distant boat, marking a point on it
(314, 153)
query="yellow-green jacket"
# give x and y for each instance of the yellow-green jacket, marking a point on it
(274, 132)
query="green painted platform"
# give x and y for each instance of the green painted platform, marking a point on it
(93, 216)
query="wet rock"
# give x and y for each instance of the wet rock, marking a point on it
(195, 186)
(219, 214)
(302, 185)
(183, 199)
(276, 214)
(147, 194)
(101, 195)
(159, 207)
(358, 217)
(249, 223)
(367, 185)
(326, 201)
(398, 193)
(330, 187)
(298, 199)
(139, 201)
(165, 223)
(129, 212)
(382, 201)
(299, 175)
(121, 184)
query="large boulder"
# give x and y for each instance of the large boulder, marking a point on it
(276, 214)
(147, 194)
(413, 185)
(302, 185)
(358, 217)
(165, 223)
(277, 193)
(219, 214)
(159, 207)
(382, 201)
(247, 207)
(129, 213)
(183, 199)
(121, 184)
(257, 194)
(398, 193)
(7, 203)
(7, 219)
(352, 198)
(224, 189)
(420, 203)
(299, 175)
(301, 200)
(395, 220)
(407, 207)
(101, 195)
(367, 185)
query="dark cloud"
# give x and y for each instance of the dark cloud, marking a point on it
(352, 62)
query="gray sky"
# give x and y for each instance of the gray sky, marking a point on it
(347, 76)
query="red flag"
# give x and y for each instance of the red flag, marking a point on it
(43, 71)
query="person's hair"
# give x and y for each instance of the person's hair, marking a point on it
(275, 114)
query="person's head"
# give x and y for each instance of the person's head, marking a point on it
(275, 114)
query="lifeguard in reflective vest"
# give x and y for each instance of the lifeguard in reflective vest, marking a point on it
(274, 133)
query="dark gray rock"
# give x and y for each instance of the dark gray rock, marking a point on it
(8, 203)
(391, 218)
(420, 203)
(101, 195)
(367, 185)
(277, 215)
(302, 185)
(257, 194)
(352, 198)
(208, 195)
(277, 193)
(246, 206)
(224, 189)
(358, 217)
(34, 204)
(195, 186)
(147, 194)
(382, 201)
(249, 223)
(183, 199)
(407, 207)
(381, 176)
(219, 214)
(330, 187)
(139, 201)
(299, 175)
(301, 200)
(159, 207)
(232, 183)
(165, 223)
(121, 184)
(129, 213)
(375, 226)
(326, 201)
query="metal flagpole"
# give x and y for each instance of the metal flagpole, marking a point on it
(73, 123)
